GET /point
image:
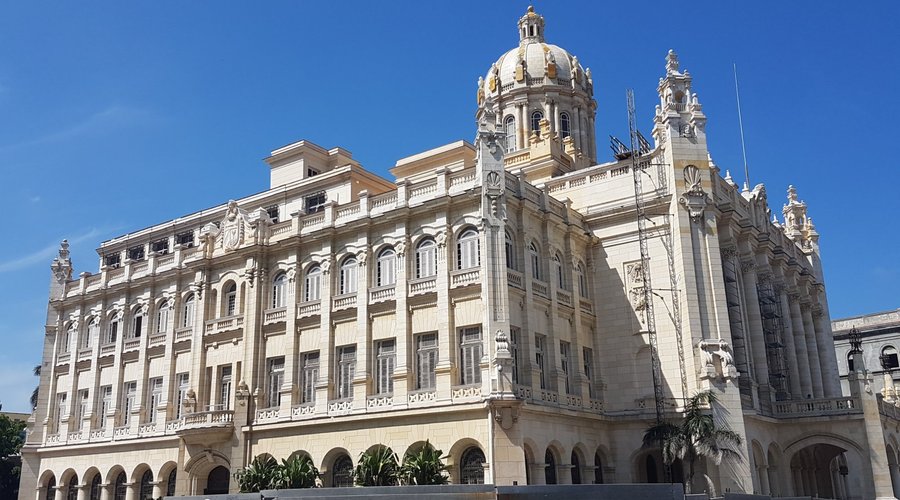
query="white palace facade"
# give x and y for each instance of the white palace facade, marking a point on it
(491, 299)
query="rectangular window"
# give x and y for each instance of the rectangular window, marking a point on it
(309, 376)
(514, 352)
(276, 379)
(231, 303)
(539, 358)
(384, 366)
(181, 382)
(311, 172)
(112, 332)
(136, 253)
(137, 327)
(112, 260)
(564, 349)
(129, 392)
(315, 203)
(187, 319)
(105, 404)
(426, 360)
(588, 356)
(273, 213)
(60, 410)
(185, 239)
(83, 402)
(224, 388)
(346, 369)
(470, 355)
(161, 247)
(154, 398)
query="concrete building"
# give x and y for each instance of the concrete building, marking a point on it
(492, 299)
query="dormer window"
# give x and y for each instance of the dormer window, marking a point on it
(273, 213)
(185, 239)
(136, 253)
(112, 260)
(315, 203)
(311, 172)
(161, 247)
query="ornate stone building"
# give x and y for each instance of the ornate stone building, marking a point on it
(492, 300)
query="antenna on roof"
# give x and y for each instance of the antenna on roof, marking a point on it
(741, 125)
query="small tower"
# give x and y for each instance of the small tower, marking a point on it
(61, 270)
(679, 114)
(531, 27)
(795, 220)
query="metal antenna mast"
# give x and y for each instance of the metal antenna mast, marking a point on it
(741, 125)
(639, 148)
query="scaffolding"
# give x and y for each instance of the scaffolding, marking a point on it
(738, 331)
(773, 332)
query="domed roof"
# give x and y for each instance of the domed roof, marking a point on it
(535, 62)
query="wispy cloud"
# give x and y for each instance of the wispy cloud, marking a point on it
(34, 199)
(109, 119)
(45, 254)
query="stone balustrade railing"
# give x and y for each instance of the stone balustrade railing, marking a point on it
(816, 407)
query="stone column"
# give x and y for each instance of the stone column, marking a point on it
(330, 276)
(802, 356)
(831, 382)
(60, 493)
(521, 127)
(105, 491)
(84, 489)
(288, 392)
(403, 341)
(446, 326)
(131, 492)
(860, 381)
(812, 349)
(365, 351)
(763, 473)
(792, 354)
(755, 330)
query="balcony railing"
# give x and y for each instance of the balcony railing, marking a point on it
(539, 288)
(85, 353)
(304, 410)
(157, 339)
(422, 285)
(184, 334)
(206, 419)
(816, 407)
(514, 278)
(382, 293)
(586, 306)
(108, 349)
(310, 308)
(278, 315)
(132, 344)
(465, 277)
(422, 396)
(564, 298)
(340, 406)
(465, 392)
(63, 358)
(344, 301)
(224, 324)
(379, 402)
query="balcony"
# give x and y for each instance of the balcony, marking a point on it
(157, 339)
(85, 353)
(132, 344)
(311, 308)
(816, 407)
(514, 278)
(422, 285)
(564, 297)
(108, 349)
(340, 406)
(344, 301)
(183, 334)
(465, 277)
(272, 316)
(539, 288)
(304, 410)
(382, 294)
(206, 426)
(586, 306)
(63, 358)
(222, 325)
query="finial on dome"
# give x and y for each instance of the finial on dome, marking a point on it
(531, 27)
(671, 62)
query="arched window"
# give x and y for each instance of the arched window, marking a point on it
(96, 489)
(889, 358)
(558, 274)
(582, 280)
(187, 312)
(536, 118)
(342, 472)
(510, 128)
(386, 267)
(170, 482)
(550, 467)
(565, 125)
(576, 468)
(510, 247)
(67, 339)
(162, 317)
(471, 467)
(146, 491)
(93, 331)
(598, 469)
(279, 291)
(468, 252)
(534, 256)
(72, 489)
(119, 488)
(312, 287)
(51, 489)
(426, 258)
(137, 324)
(348, 276)
(231, 300)
(113, 331)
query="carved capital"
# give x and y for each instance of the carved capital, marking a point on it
(729, 252)
(748, 265)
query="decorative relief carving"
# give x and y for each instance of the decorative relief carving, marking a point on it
(694, 199)
(362, 257)
(729, 252)
(713, 350)
(748, 265)
(634, 288)
(233, 227)
(764, 277)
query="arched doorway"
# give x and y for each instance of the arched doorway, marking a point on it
(170, 482)
(598, 469)
(576, 468)
(50, 493)
(72, 488)
(649, 468)
(471, 466)
(342, 472)
(218, 481)
(820, 470)
(550, 468)
(119, 488)
(146, 491)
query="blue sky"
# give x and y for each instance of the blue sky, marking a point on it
(118, 115)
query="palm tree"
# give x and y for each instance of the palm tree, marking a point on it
(696, 436)
(377, 467)
(259, 475)
(424, 466)
(298, 471)
(34, 394)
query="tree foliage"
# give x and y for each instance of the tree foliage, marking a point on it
(377, 467)
(695, 437)
(424, 466)
(10, 444)
(296, 472)
(261, 474)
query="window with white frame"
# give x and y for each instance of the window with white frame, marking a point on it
(587, 355)
(61, 410)
(68, 338)
(386, 267)
(510, 248)
(385, 358)
(275, 379)
(536, 118)
(137, 324)
(84, 402)
(113, 331)
(470, 355)
(309, 374)
(105, 404)
(188, 312)
(162, 316)
(539, 341)
(426, 360)
(534, 256)
(510, 129)
(129, 393)
(565, 350)
(582, 280)
(272, 212)
(312, 286)
(160, 247)
(182, 385)
(231, 300)
(224, 402)
(154, 398)
(426, 258)
(92, 333)
(514, 334)
(315, 203)
(279, 291)
(185, 239)
(468, 249)
(565, 125)
(558, 274)
(346, 369)
(348, 276)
